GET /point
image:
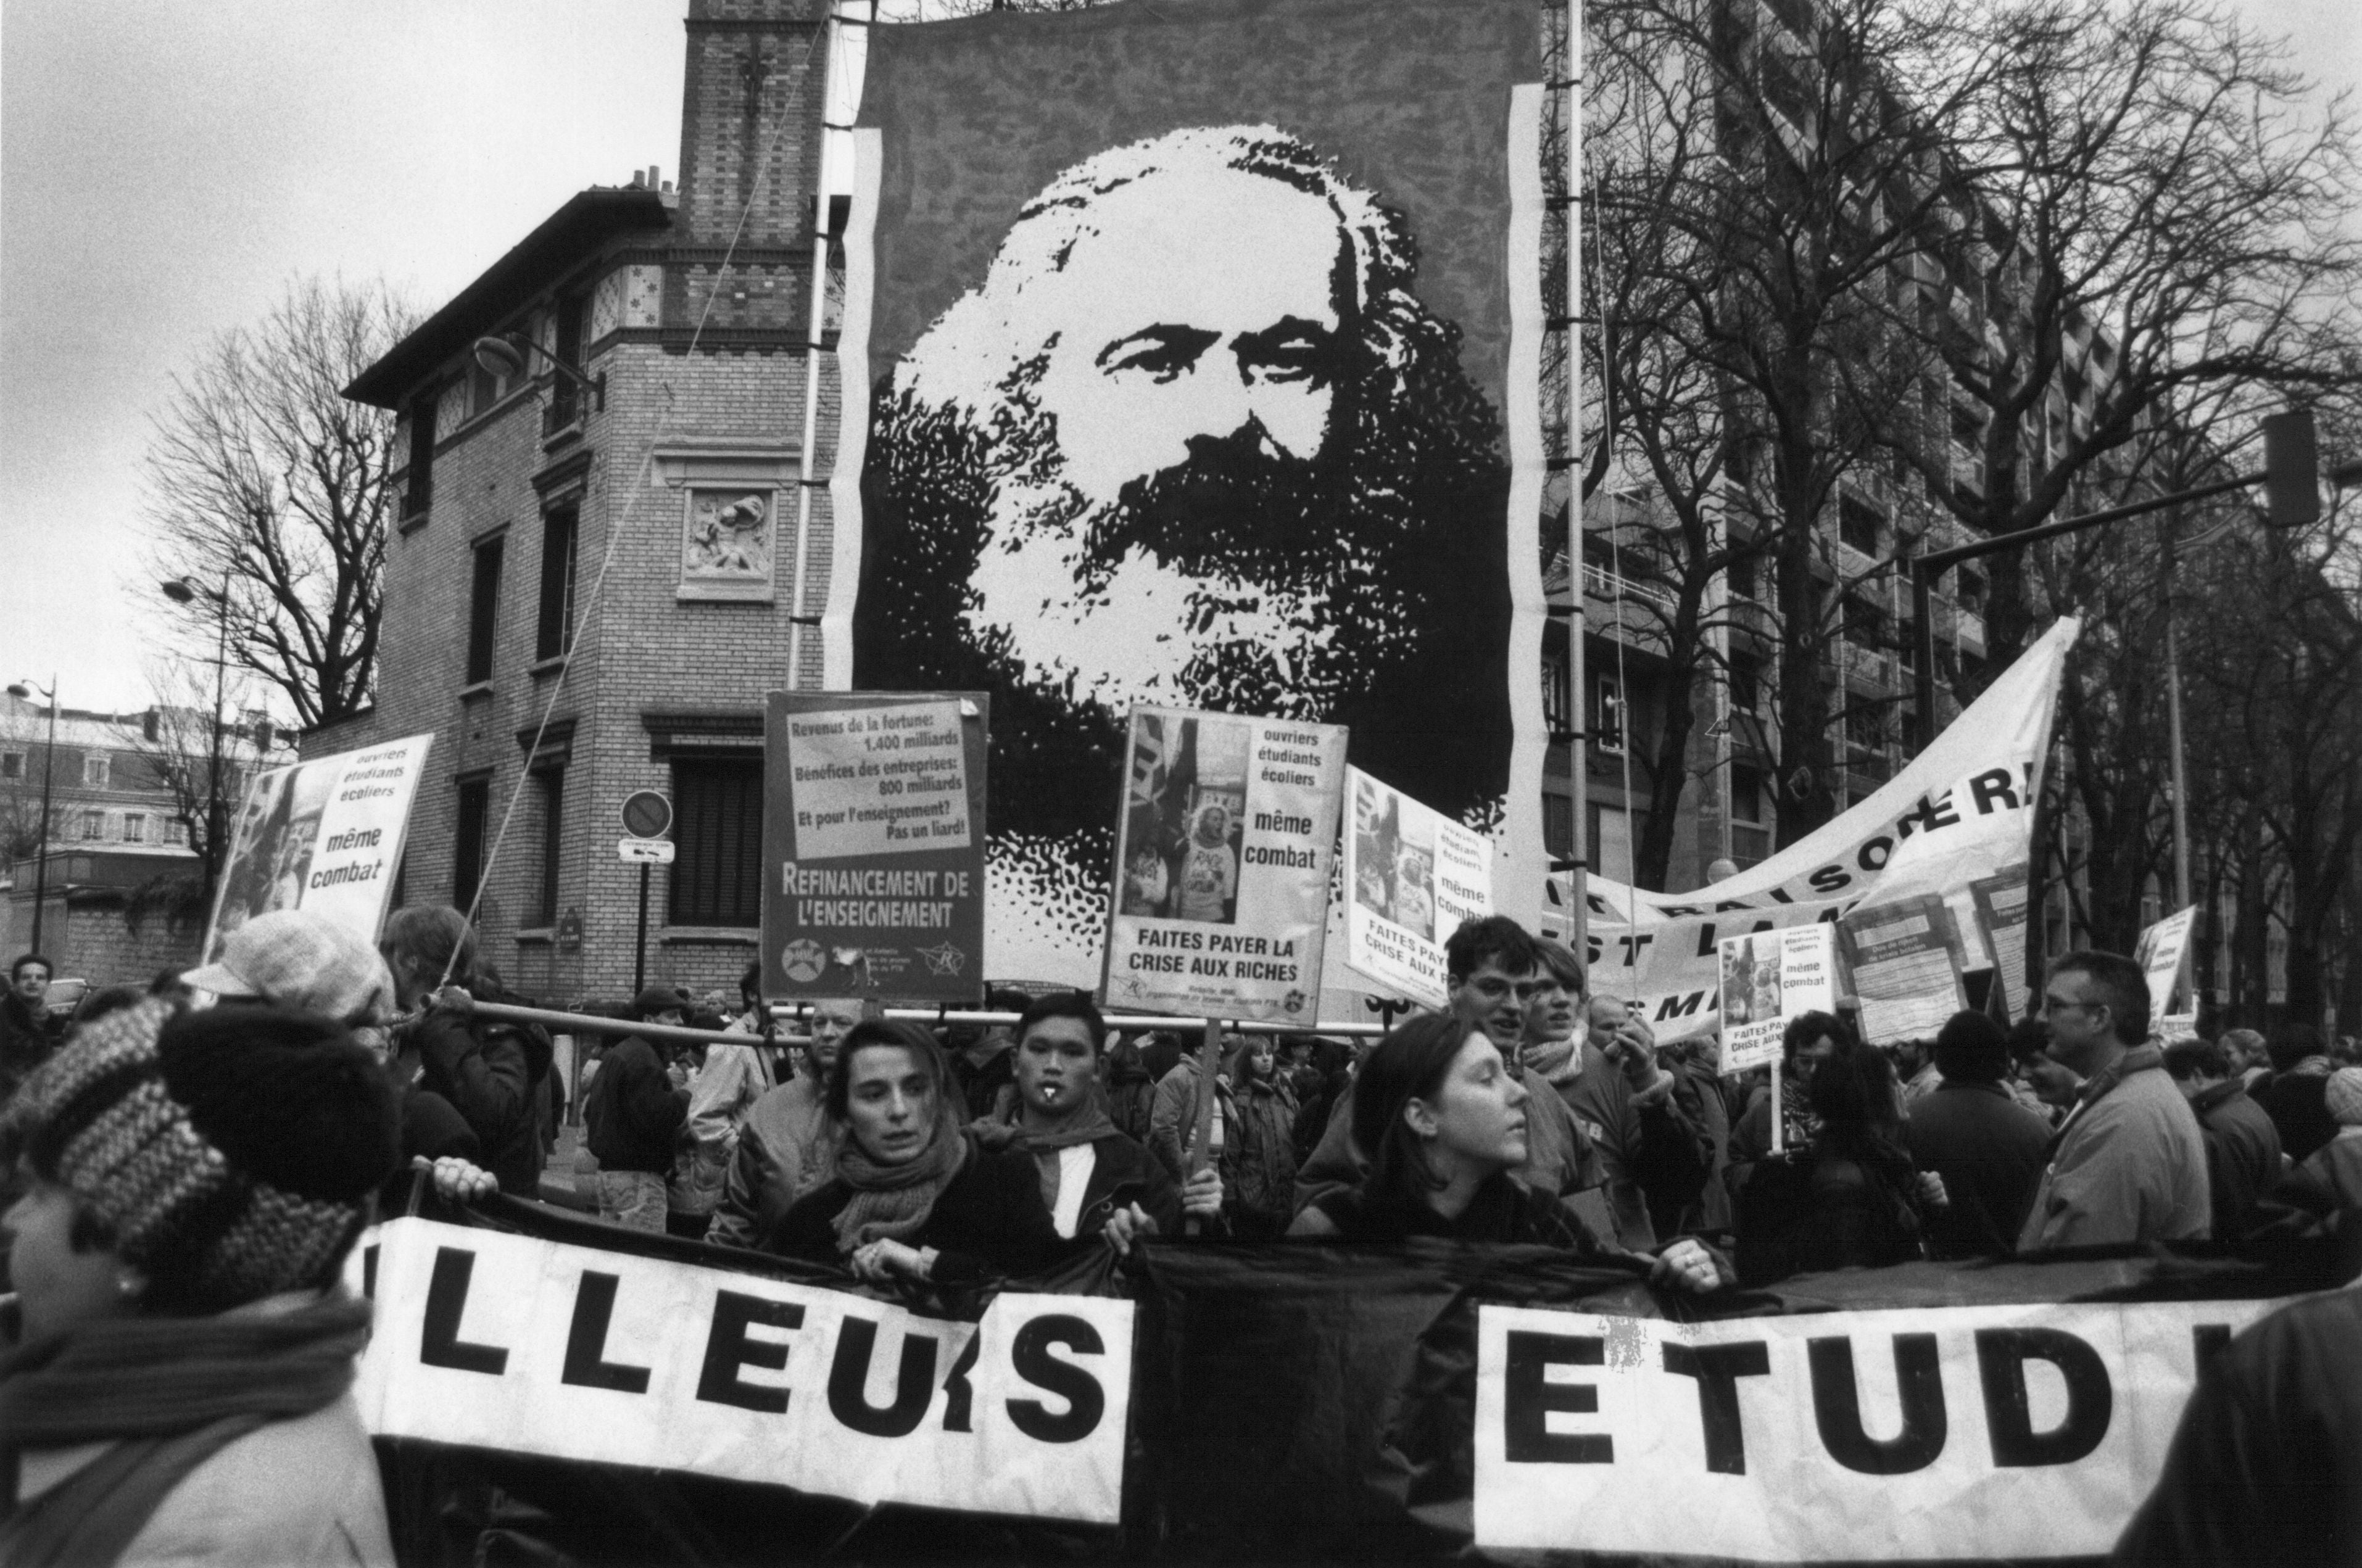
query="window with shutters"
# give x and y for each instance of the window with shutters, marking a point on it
(717, 871)
(483, 607)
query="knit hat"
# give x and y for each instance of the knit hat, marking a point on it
(299, 958)
(233, 1152)
(2343, 1095)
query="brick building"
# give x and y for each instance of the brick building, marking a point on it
(656, 520)
(117, 833)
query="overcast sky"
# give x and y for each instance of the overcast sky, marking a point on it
(165, 169)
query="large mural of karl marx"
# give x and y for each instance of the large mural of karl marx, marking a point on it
(1193, 440)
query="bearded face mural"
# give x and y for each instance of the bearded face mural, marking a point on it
(1193, 441)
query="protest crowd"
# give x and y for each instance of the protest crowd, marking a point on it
(190, 1165)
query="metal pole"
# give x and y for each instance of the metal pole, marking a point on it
(213, 769)
(640, 947)
(1579, 849)
(48, 772)
(1923, 677)
(2174, 719)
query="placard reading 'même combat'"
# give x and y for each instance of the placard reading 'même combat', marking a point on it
(1768, 978)
(873, 822)
(1223, 854)
(1412, 876)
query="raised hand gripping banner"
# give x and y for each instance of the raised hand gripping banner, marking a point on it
(1191, 357)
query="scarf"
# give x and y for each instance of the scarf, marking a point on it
(1560, 1061)
(169, 1393)
(1799, 1126)
(889, 1202)
(1087, 1123)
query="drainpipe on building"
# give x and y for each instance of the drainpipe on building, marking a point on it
(822, 213)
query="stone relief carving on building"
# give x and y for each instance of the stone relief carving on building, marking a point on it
(726, 539)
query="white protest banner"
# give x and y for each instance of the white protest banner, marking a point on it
(2163, 954)
(2003, 913)
(325, 836)
(1904, 957)
(1223, 854)
(1768, 979)
(1943, 1433)
(1960, 810)
(1413, 875)
(506, 1342)
(1669, 972)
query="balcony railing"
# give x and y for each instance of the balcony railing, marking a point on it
(1600, 582)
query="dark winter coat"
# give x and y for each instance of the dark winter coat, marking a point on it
(1824, 1211)
(1988, 1148)
(25, 1041)
(989, 1219)
(496, 1076)
(2242, 1154)
(634, 1115)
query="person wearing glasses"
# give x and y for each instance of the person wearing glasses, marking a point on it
(2129, 1165)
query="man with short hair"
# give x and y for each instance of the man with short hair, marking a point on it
(2129, 1165)
(1095, 1181)
(1491, 970)
(1972, 1132)
(27, 1033)
(787, 1145)
(2242, 1147)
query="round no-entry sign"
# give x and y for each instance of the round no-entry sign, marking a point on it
(647, 814)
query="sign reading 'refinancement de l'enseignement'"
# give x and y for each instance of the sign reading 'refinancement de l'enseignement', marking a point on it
(874, 815)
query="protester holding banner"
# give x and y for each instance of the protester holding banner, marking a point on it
(787, 1146)
(495, 1075)
(2242, 1147)
(914, 1196)
(178, 1391)
(1173, 1117)
(1095, 1179)
(1809, 1039)
(2129, 1165)
(1444, 1117)
(1491, 972)
(1987, 1148)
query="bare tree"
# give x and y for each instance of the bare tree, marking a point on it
(1758, 189)
(268, 485)
(2136, 208)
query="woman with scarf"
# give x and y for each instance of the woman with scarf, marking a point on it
(1095, 1181)
(914, 1196)
(176, 1387)
(1443, 1118)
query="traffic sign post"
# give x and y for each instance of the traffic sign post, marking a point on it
(648, 816)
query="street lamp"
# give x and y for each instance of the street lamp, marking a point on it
(505, 357)
(25, 689)
(180, 590)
